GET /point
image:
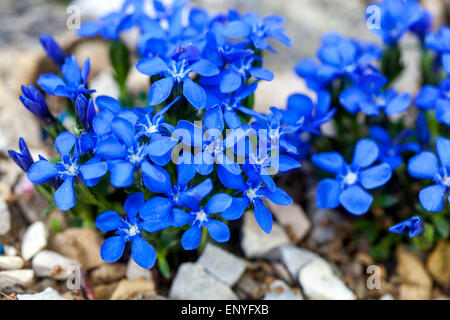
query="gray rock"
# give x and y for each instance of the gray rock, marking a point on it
(5, 218)
(279, 290)
(255, 242)
(293, 219)
(14, 278)
(293, 258)
(192, 282)
(53, 265)
(319, 282)
(47, 294)
(34, 240)
(223, 265)
(134, 271)
(11, 263)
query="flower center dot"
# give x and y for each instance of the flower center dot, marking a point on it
(201, 216)
(350, 178)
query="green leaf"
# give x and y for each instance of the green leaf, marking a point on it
(120, 62)
(442, 226)
(163, 265)
(54, 224)
(385, 201)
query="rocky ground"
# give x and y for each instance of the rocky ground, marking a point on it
(310, 253)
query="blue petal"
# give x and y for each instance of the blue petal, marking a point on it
(156, 179)
(205, 68)
(204, 163)
(287, 163)
(327, 194)
(218, 230)
(432, 198)
(423, 165)
(123, 130)
(329, 161)
(94, 170)
(194, 94)
(122, 174)
(180, 217)
(41, 171)
(160, 91)
(236, 30)
(189, 133)
(262, 74)
(108, 103)
(443, 151)
(232, 119)
(65, 195)
(185, 173)
(236, 210)
(230, 82)
(191, 238)
(71, 70)
(376, 176)
(109, 221)
(155, 209)
(427, 96)
(143, 253)
(198, 192)
(355, 200)
(351, 99)
(446, 62)
(218, 203)
(133, 204)
(90, 29)
(49, 82)
(151, 66)
(380, 134)
(213, 121)
(366, 152)
(263, 216)
(229, 180)
(161, 146)
(64, 143)
(443, 111)
(280, 197)
(399, 104)
(112, 249)
(298, 106)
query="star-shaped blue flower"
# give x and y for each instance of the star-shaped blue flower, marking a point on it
(413, 227)
(440, 42)
(437, 98)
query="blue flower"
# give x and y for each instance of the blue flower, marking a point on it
(74, 82)
(396, 18)
(257, 31)
(300, 106)
(368, 96)
(35, 102)
(440, 42)
(126, 229)
(66, 171)
(85, 110)
(53, 49)
(437, 98)
(391, 150)
(413, 227)
(254, 192)
(342, 57)
(425, 166)
(423, 25)
(201, 218)
(348, 187)
(22, 158)
(176, 73)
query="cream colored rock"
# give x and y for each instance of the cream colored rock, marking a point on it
(34, 240)
(5, 218)
(13, 278)
(11, 263)
(134, 289)
(438, 263)
(53, 265)
(292, 218)
(108, 272)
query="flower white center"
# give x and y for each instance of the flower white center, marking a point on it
(72, 169)
(251, 194)
(201, 216)
(446, 181)
(350, 178)
(152, 129)
(133, 230)
(134, 158)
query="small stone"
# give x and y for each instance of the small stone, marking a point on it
(10, 251)
(279, 290)
(104, 291)
(387, 296)
(247, 288)
(47, 294)
(223, 265)
(134, 289)
(292, 257)
(412, 291)
(5, 218)
(80, 244)
(34, 240)
(53, 265)
(293, 219)
(135, 271)
(318, 282)
(255, 242)
(438, 263)
(108, 272)
(192, 282)
(11, 263)
(324, 223)
(13, 278)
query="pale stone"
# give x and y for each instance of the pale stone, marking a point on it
(293, 258)
(53, 265)
(34, 240)
(438, 263)
(11, 262)
(135, 271)
(134, 289)
(293, 219)
(279, 290)
(13, 278)
(5, 218)
(47, 294)
(108, 272)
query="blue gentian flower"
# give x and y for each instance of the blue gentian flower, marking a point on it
(342, 57)
(423, 25)
(254, 192)
(53, 49)
(308, 69)
(440, 42)
(22, 158)
(422, 131)
(396, 18)
(391, 150)
(348, 187)
(176, 73)
(126, 229)
(257, 31)
(74, 82)
(413, 227)
(35, 102)
(201, 218)
(85, 110)
(66, 171)
(368, 96)
(437, 98)
(300, 106)
(425, 165)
